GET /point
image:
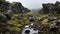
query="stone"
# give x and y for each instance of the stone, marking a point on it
(51, 8)
(17, 7)
(3, 18)
(54, 29)
(4, 6)
(27, 31)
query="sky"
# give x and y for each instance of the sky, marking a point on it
(33, 4)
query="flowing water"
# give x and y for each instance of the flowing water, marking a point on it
(32, 31)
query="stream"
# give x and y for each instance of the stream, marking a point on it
(32, 31)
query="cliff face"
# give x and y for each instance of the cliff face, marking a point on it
(51, 8)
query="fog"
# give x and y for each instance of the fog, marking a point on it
(33, 4)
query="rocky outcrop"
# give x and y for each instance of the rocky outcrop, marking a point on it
(4, 6)
(10, 8)
(51, 8)
(18, 8)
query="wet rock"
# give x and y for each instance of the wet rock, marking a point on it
(27, 31)
(35, 29)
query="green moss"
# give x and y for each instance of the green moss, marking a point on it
(15, 29)
(45, 21)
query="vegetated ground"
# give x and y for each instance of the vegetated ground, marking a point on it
(45, 23)
(18, 21)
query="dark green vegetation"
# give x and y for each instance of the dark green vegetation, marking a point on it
(14, 16)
